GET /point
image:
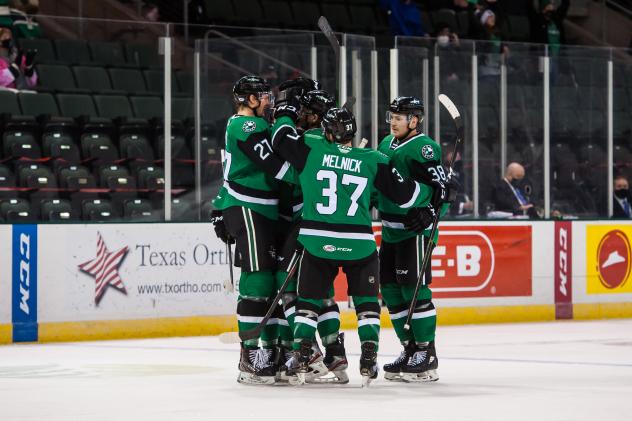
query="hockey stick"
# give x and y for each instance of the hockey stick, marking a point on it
(456, 117)
(231, 287)
(325, 28)
(236, 337)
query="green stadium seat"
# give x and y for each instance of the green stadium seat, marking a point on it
(57, 210)
(151, 178)
(109, 54)
(15, 210)
(44, 47)
(76, 105)
(182, 108)
(57, 78)
(147, 107)
(143, 55)
(72, 51)
(128, 80)
(94, 79)
(97, 210)
(139, 209)
(113, 106)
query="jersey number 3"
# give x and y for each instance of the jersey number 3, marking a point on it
(330, 191)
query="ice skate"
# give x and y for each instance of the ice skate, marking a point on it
(422, 365)
(255, 366)
(393, 370)
(368, 363)
(336, 362)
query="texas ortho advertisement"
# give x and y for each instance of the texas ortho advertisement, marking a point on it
(97, 272)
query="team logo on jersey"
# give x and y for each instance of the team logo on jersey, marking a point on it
(249, 126)
(344, 149)
(427, 152)
(329, 248)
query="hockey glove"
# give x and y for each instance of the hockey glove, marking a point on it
(420, 219)
(217, 219)
(287, 110)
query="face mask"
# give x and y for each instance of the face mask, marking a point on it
(443, 40)
(515, 183)
(622, 193)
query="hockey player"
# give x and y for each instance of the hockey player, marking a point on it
(247, 211)
(337, 181)
(401, 253)
(314, 104)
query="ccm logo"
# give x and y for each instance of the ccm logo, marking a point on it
(25, 271)
(563, 260)
(465, 258)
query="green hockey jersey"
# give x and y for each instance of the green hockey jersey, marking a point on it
(251, 170)
(337, 182)
(417, 157)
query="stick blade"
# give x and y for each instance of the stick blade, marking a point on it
(449, 105)
(324, 26)
(229, 338)
(454, 113)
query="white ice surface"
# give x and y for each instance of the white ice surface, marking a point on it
(532, 372)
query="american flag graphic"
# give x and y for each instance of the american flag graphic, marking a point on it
(104, 268)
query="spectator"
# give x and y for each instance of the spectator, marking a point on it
(150, 12)
(508, 195)
(16, 67)
(25, 25)
(622, 203)
(549, 25)
(449, 49)
(404, 17)
(493, 48)
(445, 37)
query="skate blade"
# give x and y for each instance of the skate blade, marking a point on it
(393, 377)
(298, 380)
(425, 377)
(318, 369)
(253, 379)
(333, 377)
(366, 381)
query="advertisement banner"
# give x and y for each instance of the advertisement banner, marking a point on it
(563, 270)
(482, 261)
(24, 283)
(113, 272)
(608, 259)
(6, 274)
(476, 261)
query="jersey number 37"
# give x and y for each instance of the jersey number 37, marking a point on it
(330, 191)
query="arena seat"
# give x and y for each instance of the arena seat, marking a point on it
(72, 51)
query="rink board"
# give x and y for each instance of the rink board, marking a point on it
(106, 281)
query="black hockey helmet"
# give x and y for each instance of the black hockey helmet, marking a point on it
(300, 84)
(250, 85)
(407, 105)
(340, 123)
(317, 102)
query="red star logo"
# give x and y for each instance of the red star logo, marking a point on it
(104, 268)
